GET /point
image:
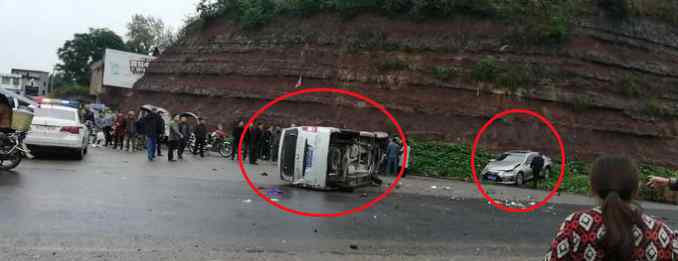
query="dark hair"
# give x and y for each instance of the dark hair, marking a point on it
(615, 180)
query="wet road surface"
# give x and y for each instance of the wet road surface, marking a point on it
(117, 206)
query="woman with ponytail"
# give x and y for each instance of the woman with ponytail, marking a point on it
(617, 229)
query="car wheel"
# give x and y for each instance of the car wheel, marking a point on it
(520, 179)
(79, 154)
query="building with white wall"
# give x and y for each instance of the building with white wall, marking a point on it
(12, 82)
(35, 83)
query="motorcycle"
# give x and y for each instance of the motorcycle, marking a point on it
(213, 144)
(220, 145)
(12, 150)
(16, 116)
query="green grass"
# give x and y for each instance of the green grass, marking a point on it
(443, 72)
(453, 161)
(390, 65)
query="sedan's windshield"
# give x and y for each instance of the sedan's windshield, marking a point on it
(513, 157)
(56, 114)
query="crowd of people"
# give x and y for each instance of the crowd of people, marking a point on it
(148, 130)
(260, 143)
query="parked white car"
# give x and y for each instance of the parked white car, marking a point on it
(514, 167)
(57, 127)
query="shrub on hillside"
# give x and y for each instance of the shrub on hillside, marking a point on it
(255, 13)
(486, 69)
(614, 8)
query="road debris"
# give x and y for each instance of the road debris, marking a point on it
(273, 192)
(354, 246)
(264, 174)
(275, 200)
(448, 188)
(247, 201)
(364, 195)
(434, 187)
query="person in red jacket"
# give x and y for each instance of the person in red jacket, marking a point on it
(617, 229)
(119, 131)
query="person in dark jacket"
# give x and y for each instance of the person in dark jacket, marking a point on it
(537, 166)
(236, 133)
(275, 144)
(186, 131)
(254, 134)
(200, 138)
(174, 138)
(162, 139)
(153, 128)
(266, 140)
(392, 157)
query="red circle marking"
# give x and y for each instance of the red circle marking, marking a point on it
(323, 90)
(562, 160)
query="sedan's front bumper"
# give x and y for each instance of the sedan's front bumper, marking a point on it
(499, 178)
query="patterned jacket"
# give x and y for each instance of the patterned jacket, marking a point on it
(580, 234)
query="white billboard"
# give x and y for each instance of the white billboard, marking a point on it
(123, 69)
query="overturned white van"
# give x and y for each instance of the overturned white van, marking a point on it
(331, 158)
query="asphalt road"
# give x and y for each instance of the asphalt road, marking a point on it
(118, 206)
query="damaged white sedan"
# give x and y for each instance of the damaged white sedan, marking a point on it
(330, 158)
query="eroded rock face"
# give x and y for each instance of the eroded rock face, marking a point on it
(611, 88)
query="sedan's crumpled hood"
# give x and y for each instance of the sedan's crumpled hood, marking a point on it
(502, 165)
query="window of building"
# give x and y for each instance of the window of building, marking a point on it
(5, 80)
(16, 81)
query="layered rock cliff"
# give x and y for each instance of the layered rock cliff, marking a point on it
(611, 87)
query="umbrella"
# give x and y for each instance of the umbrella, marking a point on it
(189, 114)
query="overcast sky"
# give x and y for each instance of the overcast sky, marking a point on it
(31, 31)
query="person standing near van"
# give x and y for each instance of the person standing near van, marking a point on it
(200, 138)
(277, 132)
(392, 155)
(253, 142)
(236, 133)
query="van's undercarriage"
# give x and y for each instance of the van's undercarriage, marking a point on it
(353, 160)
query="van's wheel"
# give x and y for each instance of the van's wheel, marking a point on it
(520, 179)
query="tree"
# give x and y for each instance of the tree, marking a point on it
(77, 54)
(144, 33)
